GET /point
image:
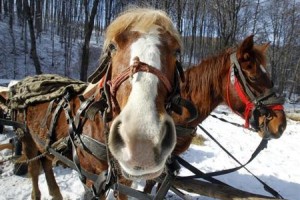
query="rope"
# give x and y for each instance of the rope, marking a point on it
(232, 123)
(34, 158)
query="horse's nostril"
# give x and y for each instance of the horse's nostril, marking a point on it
(281, 130)
(115, 138)
(169, 139)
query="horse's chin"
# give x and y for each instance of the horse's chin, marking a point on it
(267, 135)
(146, 176)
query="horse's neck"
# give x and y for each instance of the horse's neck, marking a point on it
(204, 86)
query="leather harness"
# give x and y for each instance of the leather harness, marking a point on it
(88, 109)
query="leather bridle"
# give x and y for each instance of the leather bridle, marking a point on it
(256, 106)
(174, 102)
(137, 66)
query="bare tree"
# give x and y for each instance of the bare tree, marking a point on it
(88, 28)
(33, 52)
(38, 17)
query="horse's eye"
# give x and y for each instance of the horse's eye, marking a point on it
(249, 66)
(252, 78)
(177, 52)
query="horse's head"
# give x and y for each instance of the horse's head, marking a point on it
(251, 92)
(143, 44)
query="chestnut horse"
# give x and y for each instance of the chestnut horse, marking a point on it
(239, 79)
(135, 125)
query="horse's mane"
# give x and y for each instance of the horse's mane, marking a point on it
(204, 80)
(206, 72)
(141, 19)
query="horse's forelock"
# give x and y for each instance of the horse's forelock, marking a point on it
(141, 19)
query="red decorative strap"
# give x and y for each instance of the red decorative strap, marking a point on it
(245, 100)
(276, 107)
(101, 82)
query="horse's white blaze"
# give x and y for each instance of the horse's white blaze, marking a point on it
(140, 109)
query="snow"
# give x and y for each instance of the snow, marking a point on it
(277, 165)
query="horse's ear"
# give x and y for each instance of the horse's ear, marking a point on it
(245, 48)
(264, 47)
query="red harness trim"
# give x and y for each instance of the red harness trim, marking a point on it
(244, 98)
(101, 82)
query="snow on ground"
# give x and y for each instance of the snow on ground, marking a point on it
(277, 165)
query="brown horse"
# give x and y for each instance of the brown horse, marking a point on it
(239, 79)
(135, 126)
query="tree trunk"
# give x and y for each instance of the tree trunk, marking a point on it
(0, 9)
(20, 15)
(33, 51)
(88, 29)
(38, 17)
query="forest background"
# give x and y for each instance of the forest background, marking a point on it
(74, 29)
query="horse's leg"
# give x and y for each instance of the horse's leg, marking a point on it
(51, 182)
(33, 166)
(34, 171)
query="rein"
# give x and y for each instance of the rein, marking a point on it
(209, 176)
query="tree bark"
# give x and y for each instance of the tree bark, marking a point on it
(88, 29)
(33, 51)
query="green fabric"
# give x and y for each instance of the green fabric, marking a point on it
(42, 88)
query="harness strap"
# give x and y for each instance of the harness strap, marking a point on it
(173, 168)
(81, 111)
(182, 131)
(54, 120)
(245, 100)
(137, 67)
(92, 146)
(196, 171)
(103, 66)
(14, 124)
(237, 70)
(96, 106)
(176, 104)
(180, 71)
(48, 112)
(72, 130)
(131, 192)
(262, 145)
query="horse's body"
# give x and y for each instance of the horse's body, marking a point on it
(141, 133)
(210, 83)
(213, 82)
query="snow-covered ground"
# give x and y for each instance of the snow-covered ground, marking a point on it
(277, 165)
